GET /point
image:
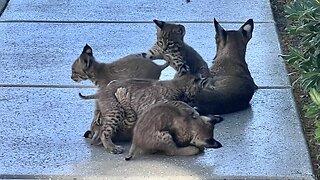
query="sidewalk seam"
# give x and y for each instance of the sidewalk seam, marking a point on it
(124, 22)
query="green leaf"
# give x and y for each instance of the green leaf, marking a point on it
(304, 22)
(315, 96)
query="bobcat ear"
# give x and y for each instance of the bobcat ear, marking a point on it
(87, 62)
(87, 50)
(212, 119)
(160, 24)
(247, 29)
(181, 30)
(219, 29)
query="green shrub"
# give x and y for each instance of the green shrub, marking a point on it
(305, 23)
(313, 110)
(305, 57)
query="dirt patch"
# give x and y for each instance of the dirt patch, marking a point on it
(300, 98)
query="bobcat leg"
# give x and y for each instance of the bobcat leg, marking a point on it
(96, 120)
(108, 144)
(132, 152)
(154, 53)
(96, 130)
(107, 131)
(169, 147)
(95, 139)
(177, 63)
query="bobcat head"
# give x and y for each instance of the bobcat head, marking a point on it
(233, 40)
(82, 64)
(202, 130)
(169, 36)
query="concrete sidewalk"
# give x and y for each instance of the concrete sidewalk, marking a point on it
(42, 127)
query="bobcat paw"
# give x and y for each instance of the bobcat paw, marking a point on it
(185, 151)
(128, 158)
(201, 149)
(122, 94)
(117, 150)
(194, 150)
(183, 69)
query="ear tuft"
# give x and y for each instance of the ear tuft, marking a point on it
(219, 29)
(160, 24)
(87, 50)
(215, 22)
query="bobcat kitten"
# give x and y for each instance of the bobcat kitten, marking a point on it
(172, 127)
(131, 66)
(171, 47)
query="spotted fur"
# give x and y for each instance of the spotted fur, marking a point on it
(170, 46)
(144, 92)
(85, 67)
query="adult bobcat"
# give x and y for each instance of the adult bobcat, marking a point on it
(231, 87)
(171, 47)
(172, 127)
(144, 92)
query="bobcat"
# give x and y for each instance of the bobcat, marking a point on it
(131, 66)
(231, 87)
(171, 47)
(172, 127)
(144, 92)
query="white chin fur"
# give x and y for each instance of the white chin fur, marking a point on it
(205, 118)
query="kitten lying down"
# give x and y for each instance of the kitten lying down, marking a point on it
(171, 127)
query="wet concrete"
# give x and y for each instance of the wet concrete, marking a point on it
(42, 135)
(49, 53)
(42, 128)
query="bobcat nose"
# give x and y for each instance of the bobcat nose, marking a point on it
(74, 78)
(212, 143)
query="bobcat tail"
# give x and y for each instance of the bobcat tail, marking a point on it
(87, 134)
(93, 96)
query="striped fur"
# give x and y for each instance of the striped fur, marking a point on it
(85, 67)
(171, 47)
(115, 122)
